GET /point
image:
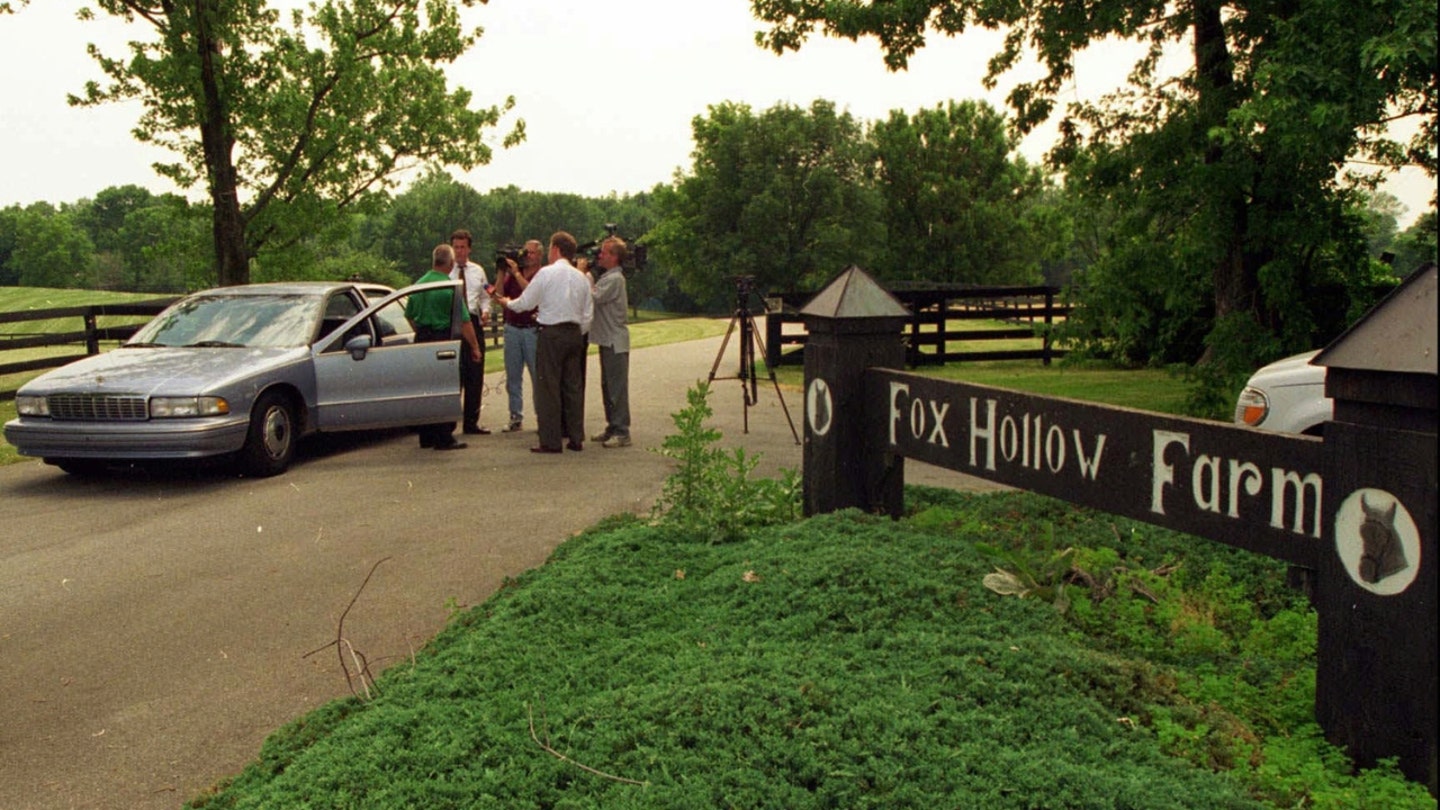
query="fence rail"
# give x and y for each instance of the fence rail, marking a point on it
(91, 335)
(928, 335)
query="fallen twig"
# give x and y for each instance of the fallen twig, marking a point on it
(342, 644)
(552, 752)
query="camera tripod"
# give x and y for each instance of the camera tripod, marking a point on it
(749, 341)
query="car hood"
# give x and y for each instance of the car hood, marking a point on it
(1293, 370)
(143, 371)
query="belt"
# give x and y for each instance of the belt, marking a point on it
(565, 324)
(521, 325)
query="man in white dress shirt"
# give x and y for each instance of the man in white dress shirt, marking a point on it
(561, 293)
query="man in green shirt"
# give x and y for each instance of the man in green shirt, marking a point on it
(430, 312)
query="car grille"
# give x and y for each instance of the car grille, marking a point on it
(98, 407)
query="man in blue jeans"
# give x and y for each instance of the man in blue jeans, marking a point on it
(521, 330)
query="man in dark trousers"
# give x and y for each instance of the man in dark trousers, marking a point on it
(561, 294)
(477, 300)
(610, 333)
(430, 312)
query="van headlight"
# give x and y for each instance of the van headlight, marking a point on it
(32, 406)
(181, 407)
(1252, 407)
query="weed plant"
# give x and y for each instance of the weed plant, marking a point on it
(712, 494)
(845, 661)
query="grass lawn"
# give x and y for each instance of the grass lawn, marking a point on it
(846, 661)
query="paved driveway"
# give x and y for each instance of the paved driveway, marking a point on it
(154, 627)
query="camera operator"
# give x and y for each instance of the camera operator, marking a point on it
(477, 300)
(609, 331)
(521, 329)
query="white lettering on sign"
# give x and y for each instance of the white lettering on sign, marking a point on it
(1280, 482)
(920, 421)
(1025, 439)
(1216, 485)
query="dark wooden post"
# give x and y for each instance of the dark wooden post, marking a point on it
(1376, 680)
(92, 336)
(774, 336)
(1049, 325)
(852, 324)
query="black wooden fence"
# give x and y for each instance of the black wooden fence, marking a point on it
(1031, 311)
(90, 334)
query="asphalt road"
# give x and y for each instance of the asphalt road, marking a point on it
(155, 625)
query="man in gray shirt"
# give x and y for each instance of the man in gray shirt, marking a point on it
(609, 332)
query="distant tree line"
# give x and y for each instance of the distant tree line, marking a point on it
(789, 195)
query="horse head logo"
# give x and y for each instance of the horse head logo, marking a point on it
(1383, 554)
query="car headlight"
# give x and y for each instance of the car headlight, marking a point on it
(32, 406)
(180, 407)
(1252, 407)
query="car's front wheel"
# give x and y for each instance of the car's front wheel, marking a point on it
(270, 444)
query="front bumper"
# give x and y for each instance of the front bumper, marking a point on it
(154, 439)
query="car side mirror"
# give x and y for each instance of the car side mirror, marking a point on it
(359, 346)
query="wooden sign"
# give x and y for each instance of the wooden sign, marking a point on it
(1255, 490)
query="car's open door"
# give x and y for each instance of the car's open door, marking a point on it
(364, 381)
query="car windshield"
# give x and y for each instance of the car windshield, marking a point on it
(259, 321)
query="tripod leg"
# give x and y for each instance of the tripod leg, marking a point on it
(755, 333)
(720, 355)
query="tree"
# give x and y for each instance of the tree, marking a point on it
(164, 246)
(1232, 167)
(780, 196)
(51, 250)
(954, 198)
(9, 229)
(424, 216)
(1415, 245)
(288, 123)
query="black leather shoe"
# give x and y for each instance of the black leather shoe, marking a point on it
(476, 430)
(452, 446)
(576, 446)
(545, 449)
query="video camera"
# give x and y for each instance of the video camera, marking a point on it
(635, 253)
(511, 252)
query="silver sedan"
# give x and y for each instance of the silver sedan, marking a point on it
(244, 371)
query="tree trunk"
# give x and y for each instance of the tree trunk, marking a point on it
(232, 255)
(1235, 279)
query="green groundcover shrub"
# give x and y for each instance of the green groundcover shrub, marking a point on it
(846, 661)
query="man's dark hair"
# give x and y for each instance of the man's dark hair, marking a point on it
(461, 233)
(565, 242)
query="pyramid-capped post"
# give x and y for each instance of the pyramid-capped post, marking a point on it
(853, 324)
(854, 295)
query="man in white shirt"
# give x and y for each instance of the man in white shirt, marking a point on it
(472, 374)
(561, 293)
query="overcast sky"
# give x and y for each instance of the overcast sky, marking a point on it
(608, 91)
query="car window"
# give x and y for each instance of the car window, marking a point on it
(261, 320)
(393, 327)
(341, 307)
